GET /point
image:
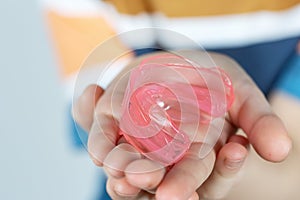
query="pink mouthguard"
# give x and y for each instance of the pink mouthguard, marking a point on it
(165, 94)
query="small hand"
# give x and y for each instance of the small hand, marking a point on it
(211, 177)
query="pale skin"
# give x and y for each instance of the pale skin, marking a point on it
(191, 178)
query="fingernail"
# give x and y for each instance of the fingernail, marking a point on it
(233, 164)
(119, 189)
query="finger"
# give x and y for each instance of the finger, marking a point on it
(145, 174)
(227, 169)
(83, 108)
(118, 158)
(253, 114)
(186, 175)
(121, 189)
(102, 138)
(104, 134)
(265, 130)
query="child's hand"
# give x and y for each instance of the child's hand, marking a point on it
(130, 176)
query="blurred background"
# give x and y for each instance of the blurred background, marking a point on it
(39, 157)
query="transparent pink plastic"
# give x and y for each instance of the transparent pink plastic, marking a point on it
(165, 93)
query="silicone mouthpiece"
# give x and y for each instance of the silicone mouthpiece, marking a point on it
(165, 94)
